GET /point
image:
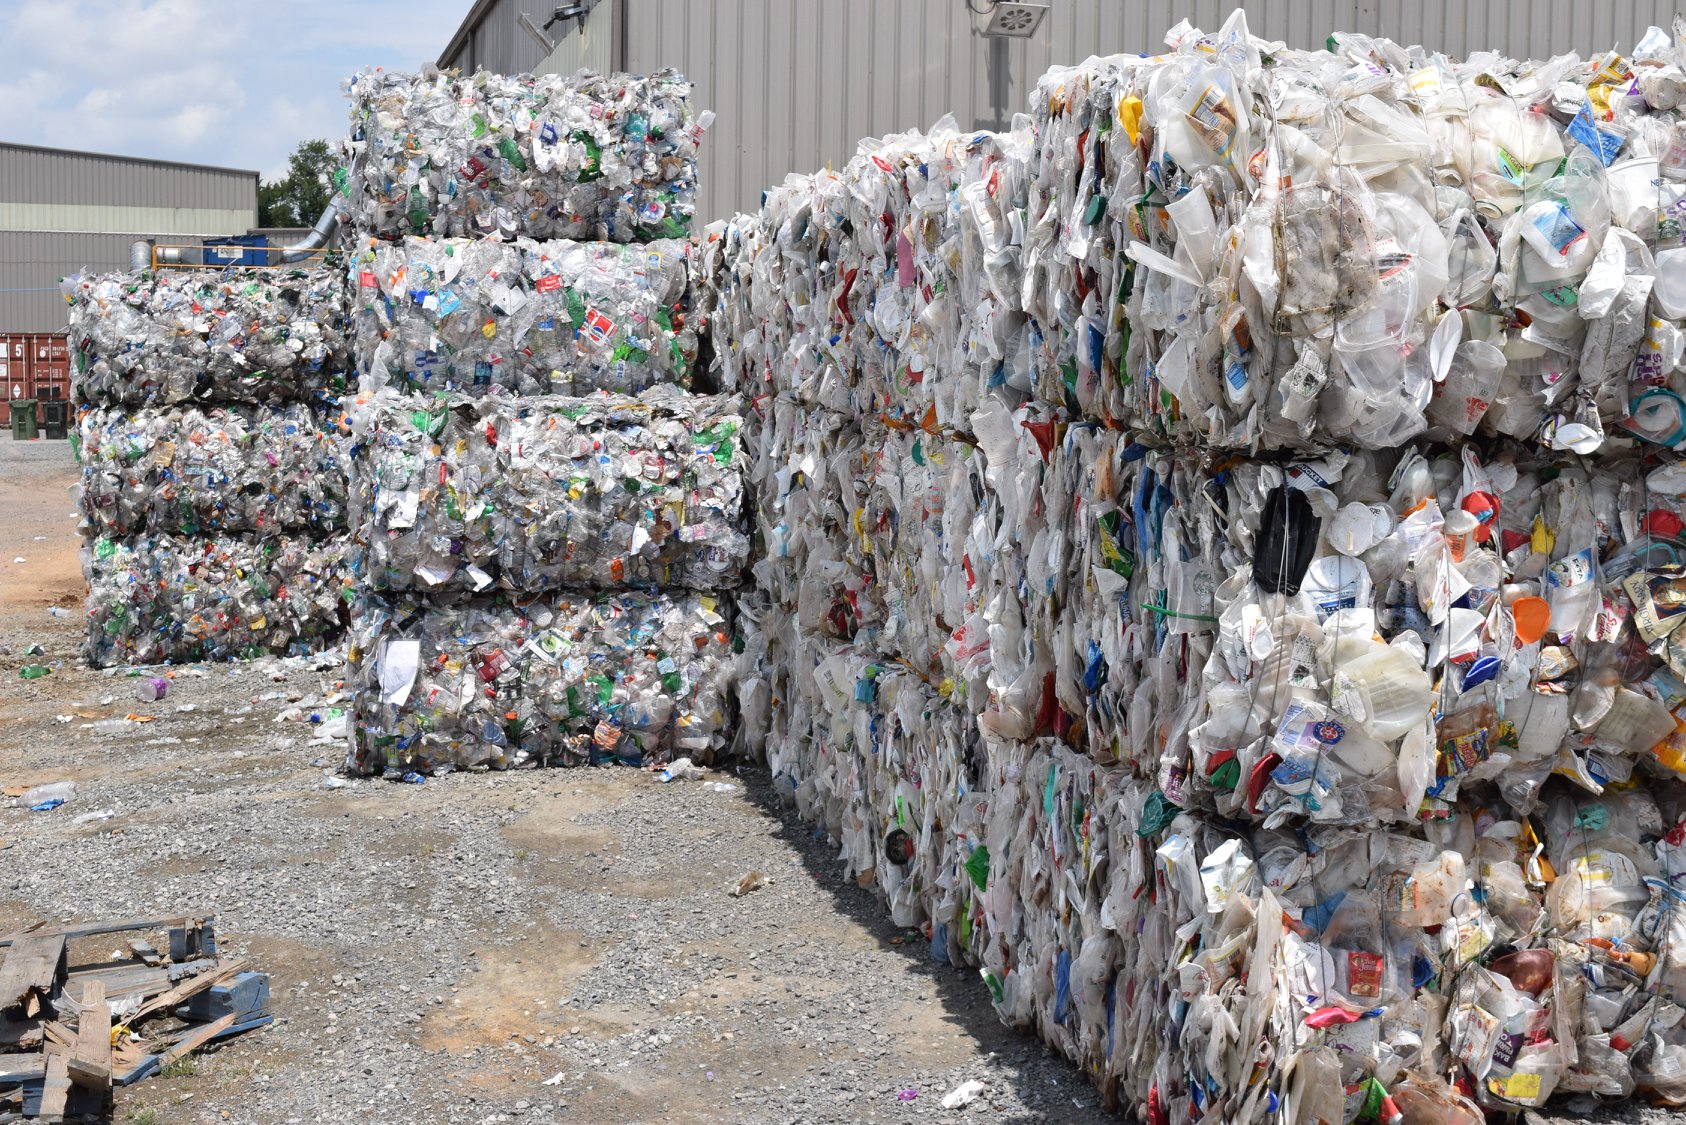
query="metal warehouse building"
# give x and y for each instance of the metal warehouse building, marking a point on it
(63, 211)
(797, 82)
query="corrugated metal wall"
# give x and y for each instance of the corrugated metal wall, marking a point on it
(586, 46)
(495, 40)
(31, 263)
(796, 83)
(41, 175)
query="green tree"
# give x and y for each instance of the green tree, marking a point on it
(298, 198)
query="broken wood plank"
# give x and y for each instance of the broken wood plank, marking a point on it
(130, 1064)
(18, 1069)
(191, 968)
(20, 1033)
(144, 951)
(188, 989)
(196, 1038)
(31, 967)
(90, 1061)
(56, 1092)
(93, 929)
(126, 979)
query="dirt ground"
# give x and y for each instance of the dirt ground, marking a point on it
(530, 946)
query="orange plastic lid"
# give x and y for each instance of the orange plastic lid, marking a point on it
(1532, 615)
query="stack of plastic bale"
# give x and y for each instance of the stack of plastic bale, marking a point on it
(1410, 324)
(213, 470)
(548, 522)
(910, 577)
(1295, 638)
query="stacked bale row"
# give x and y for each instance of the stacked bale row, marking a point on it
(1222, 565)
(547, 520)
(214, 473)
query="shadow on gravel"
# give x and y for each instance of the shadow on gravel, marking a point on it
(963, 996)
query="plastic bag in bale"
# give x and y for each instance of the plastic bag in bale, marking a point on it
(571, 679)
(458, 496)
(160, 599)
(216, 470)
(524, 317)
(237, 335)
(602, 157)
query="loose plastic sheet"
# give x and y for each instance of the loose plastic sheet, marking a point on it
(156, 599)
(215, 470)
(523, 318)
(199, 336)
(602, 157)
(568, 679)
(1273, 764)
(455, 496)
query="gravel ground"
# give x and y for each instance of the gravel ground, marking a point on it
(519, 947)
(440, 952)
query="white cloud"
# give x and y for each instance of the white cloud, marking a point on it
(222, 82)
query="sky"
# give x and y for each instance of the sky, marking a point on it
(233, 83)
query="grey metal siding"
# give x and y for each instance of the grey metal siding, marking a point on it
(796, 83)
(34, 175)
(587, 47)
(31, 263)
(61, 212)
(496, 42)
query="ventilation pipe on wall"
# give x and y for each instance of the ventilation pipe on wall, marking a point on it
(144, 254)
(325, 233)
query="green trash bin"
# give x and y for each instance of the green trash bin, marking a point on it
(23, 420)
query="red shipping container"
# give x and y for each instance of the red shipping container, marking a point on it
(32, 365)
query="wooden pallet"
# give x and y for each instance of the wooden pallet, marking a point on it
(61, 1053)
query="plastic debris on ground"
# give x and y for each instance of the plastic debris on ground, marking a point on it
(459, 496)
(523, 317)
(566, 680)
(236, 335)
(1223, 566)
(153, 599)
(195, 470)
(603, 157)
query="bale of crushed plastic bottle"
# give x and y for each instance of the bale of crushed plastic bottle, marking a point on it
(213, 470)
(1251, 627)
(523, 317)
(567, 679)
(454, 496)
(156, 599)
(1364, 246)
(236, 335)
(601, 157)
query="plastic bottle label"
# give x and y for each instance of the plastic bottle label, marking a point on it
(1213, 119)
(1559, 229)
(1605, 145)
